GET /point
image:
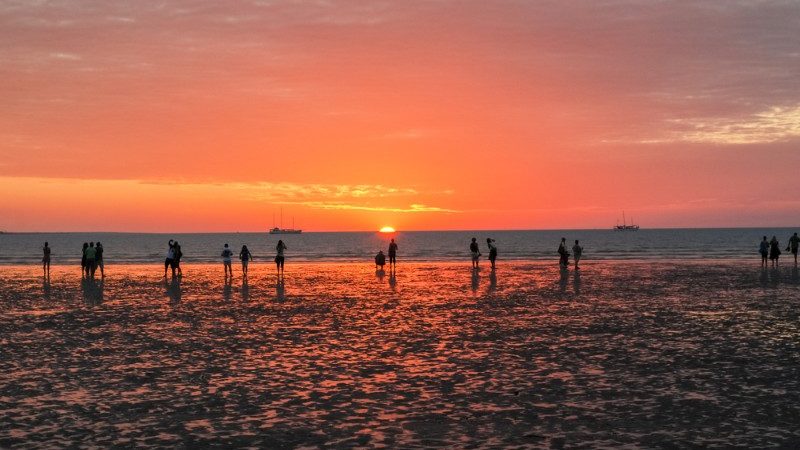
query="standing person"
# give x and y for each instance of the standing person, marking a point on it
(763, 248)
(794, 243)
(176, 259)
(492, 251)
(90, 253)
(774, 250)
(246, 257)
(279, 259)
(46, 258)
(99, 259)
(83, 259)
(577, 251)
(226, 261)
(169, 261)
(474, 252)
(380, 260)
(562, 250)
(392, 253)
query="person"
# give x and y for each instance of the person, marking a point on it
(83, 259)
(246, 257)
(764, 250)
(380, 260)
(226, 261)
(176, 259)
(279, 258)
(577, 251)
(492, 251)
(90, 253)
(562, 250)
(170, 259)
(392, 253)
(794, 243)
(99, 259)
(46, 258)
(475, 252)
(774, 250)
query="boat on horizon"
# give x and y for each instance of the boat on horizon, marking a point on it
(280, 229)
(625, 226)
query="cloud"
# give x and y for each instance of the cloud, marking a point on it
(773, 125)
(413, 208)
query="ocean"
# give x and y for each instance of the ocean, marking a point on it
(417, 246)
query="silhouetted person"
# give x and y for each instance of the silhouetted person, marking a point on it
(794, 243)
(774, 251)
(763, 248)
(246, 257)
(474, 252)
(279, 258)
(380, 260)
(90, 253)
(562, 250)
(577, 251)
(169, 261)
(46, 259)
(392, 253)
(227, 254)
(99, 259)
(492, 251)
(176, 261)
(83, 260)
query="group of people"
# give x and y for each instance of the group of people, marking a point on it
(91, 259)
(475, 252)
(245, 257)
(380, 258)
(577, 252)
(173, 259)
(772, 249)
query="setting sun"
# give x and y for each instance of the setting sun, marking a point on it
(387, 230)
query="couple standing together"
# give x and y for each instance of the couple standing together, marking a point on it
(577, 251)
(173, 259)
(476, 253)
(380, 258)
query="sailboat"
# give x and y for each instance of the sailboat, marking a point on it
(625, 226)
(281, 230)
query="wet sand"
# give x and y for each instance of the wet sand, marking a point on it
(635, 354)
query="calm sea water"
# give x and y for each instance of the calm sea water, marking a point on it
(122, 248)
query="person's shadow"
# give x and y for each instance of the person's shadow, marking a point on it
(245, 290)
(92, 291)
(174, 291)
(563, 280)
(46, 287)
(379, 274)
(576, 282)
(227, 290)
(280, 289)
(492, 281)
(392, 279)
(476, 280)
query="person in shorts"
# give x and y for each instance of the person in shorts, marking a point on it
(99, 259)
(227, 254)
(46, 258)
(169, 261)
(279, 259)
(246, 257)
(474, 252)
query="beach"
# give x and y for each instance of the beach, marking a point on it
(621, 353)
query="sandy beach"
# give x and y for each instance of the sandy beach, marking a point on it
(638, 354)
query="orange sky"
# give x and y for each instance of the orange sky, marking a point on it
(208, 116)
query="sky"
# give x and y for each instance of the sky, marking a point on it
(351, 115)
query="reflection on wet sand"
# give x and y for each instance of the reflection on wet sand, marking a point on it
(174, 291)
(691, 354)
(245, 291)
(475, 280)
(92, 291)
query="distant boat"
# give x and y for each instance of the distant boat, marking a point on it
(281, 230)
(625, 226)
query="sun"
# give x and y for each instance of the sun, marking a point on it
(387, 230)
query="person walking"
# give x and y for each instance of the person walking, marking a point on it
(474, 252)
(226, 261)
(392, 253)
(774, 250)
(763, 248)
(492, 251)
(246, 257)
(577, 251)
(99, 259)
(794, 243)
(46, 259)
(169, 261)
(562, 250)
(279, 258)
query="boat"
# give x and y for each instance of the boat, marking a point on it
(625, 226)
(281, 230)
